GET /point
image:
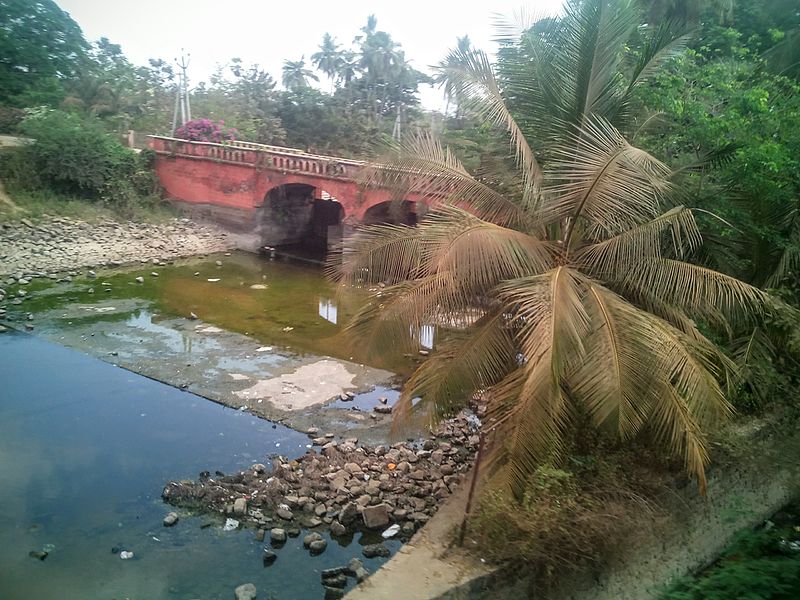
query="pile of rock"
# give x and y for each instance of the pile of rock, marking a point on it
(345, 487)
(58, 244)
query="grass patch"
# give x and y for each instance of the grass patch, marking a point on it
(35, 204)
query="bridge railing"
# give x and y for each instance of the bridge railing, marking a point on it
(248, 153)
(291, 160)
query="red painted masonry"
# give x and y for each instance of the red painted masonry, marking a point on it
(239, 175)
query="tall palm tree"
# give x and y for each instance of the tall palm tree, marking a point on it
(572, 270)
(329, 58)
(295, 75)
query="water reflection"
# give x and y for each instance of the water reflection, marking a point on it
(327, 310)
(426, 333)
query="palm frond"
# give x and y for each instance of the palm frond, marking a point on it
(472, 76)
(468, 360)
(695, 289)
(615, 384)
(421, 165)
(594, 34)
(603, 180)
(674, 231)
(478, 253)
(376, 254)
(663, 44)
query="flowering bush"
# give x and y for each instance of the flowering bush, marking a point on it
(205, 130)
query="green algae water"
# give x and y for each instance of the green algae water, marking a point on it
(280, 303)
(85, 449)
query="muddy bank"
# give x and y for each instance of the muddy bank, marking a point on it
(342, 487)
(58, 244)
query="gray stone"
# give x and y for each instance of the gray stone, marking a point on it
(353, 565)
(246, 591)
(318, 546)
(240, 506)
(310, 538)
(284, 514)
(170, 519)
(375, 550)
(375, 516)
(349, 513)
(332, 593)
(277, 535)
(337, 581)
(338, 529)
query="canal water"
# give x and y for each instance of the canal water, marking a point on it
(282, 304)
(86, 447)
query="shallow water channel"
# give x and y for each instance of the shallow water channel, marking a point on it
(86, 447)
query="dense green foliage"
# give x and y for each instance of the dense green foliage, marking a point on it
(75, 157)
(39, 46)
(759, 565)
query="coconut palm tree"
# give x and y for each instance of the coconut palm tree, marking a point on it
(329, 58)
(295, 75)
(569, 274)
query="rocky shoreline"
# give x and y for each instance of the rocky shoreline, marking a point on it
(59, 245)
(340, 487)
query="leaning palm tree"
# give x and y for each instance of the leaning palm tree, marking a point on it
(566, 279)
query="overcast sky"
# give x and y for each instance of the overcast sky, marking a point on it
(267, 32)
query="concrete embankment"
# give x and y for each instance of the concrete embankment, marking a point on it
(757, 472)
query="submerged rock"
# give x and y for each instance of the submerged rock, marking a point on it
(170, 519)
(317, 546)
(269, 557)
(246, 591)
(375, 550)
(277, 535)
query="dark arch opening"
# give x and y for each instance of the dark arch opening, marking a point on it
(403, 212)
(295, 219)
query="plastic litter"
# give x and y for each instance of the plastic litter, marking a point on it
(391, 531)
(125, 555)
(230, 525)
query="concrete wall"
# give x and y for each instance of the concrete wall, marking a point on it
(759, 476)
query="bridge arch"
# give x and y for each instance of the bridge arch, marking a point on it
(397, 212)
(300, 215)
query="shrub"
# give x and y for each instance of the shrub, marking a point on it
(76, 156)
(568, 519)
(10, 118)
(205, 130)
(72, 157)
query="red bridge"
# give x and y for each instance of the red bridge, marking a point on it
(271, 195)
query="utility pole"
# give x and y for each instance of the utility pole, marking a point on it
(182, 93)
(398, 125)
